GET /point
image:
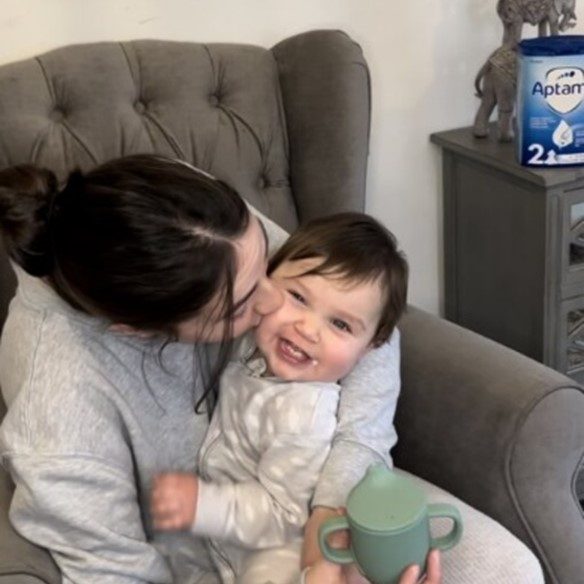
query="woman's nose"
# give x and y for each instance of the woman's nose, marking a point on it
(269, 297)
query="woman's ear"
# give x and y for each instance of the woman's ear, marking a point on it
(126, 329)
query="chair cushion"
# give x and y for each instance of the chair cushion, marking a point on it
(217, 106)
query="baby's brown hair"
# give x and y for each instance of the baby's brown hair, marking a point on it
(355, 247)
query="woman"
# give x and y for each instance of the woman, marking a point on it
(133, 279)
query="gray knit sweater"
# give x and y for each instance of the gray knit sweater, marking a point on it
(93, 415)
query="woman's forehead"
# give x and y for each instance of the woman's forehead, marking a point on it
(251, 249)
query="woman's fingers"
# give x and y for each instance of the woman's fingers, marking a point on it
(434, 575)
(410, 575)
(433, 571)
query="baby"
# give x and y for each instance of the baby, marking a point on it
(344, 286)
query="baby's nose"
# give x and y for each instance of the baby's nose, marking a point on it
(309, 328)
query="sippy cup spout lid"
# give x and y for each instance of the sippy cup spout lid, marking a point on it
(385, 501)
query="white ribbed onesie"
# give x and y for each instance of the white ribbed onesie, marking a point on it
(260, 462)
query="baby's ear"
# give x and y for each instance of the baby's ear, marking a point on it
(126, 329)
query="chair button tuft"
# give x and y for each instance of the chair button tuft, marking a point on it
(140, 107)
(57, 115)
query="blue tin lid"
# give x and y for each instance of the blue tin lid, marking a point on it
(553, 46)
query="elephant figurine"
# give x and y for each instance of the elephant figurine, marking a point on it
(496, 82)
(562, 17)
(499, 82)
(549, 15)
(566, 10)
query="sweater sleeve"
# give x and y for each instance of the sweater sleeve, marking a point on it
(273, 508)
(67, 451)
(85, 512)
(365, 432)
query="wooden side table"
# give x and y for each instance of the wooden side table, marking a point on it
(514, 249)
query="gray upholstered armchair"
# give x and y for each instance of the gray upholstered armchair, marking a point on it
(289, 128)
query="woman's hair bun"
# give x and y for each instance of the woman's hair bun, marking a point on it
(26, 197)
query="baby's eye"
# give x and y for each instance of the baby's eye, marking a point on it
(298, 297)
(341, 325)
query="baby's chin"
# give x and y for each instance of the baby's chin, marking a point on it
(307, 375)
(275, 367)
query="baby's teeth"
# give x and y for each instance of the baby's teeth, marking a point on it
(295, 350)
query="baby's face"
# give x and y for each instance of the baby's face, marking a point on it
(324, 326)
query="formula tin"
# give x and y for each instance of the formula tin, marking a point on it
(550, 92)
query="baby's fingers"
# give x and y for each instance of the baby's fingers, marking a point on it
(166, 514)
(168, 522)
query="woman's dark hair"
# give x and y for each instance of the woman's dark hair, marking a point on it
(142, 240)
(355, 247)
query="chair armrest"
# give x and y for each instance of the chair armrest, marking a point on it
(20, 560)
(497, 429)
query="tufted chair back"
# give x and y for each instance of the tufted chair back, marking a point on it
(287, 127)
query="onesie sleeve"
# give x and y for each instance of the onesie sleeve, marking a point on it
(365, 432)
(273, 508)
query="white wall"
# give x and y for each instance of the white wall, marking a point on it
(423, 57)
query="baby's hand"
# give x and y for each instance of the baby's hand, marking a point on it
(173, 501)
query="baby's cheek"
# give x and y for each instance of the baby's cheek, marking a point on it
(262, 334)
(342, 362)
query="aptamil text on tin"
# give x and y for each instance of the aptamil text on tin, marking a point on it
(550, 101)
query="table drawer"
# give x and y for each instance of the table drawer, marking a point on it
(570, 339)
(572, 242)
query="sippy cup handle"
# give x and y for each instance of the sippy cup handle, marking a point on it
(337, 556)
(450, 539)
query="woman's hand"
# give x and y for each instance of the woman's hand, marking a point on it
(320, 570)
(433, 575)
(310, 548)
(324, 572)
(173, 501)
(333, 574)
